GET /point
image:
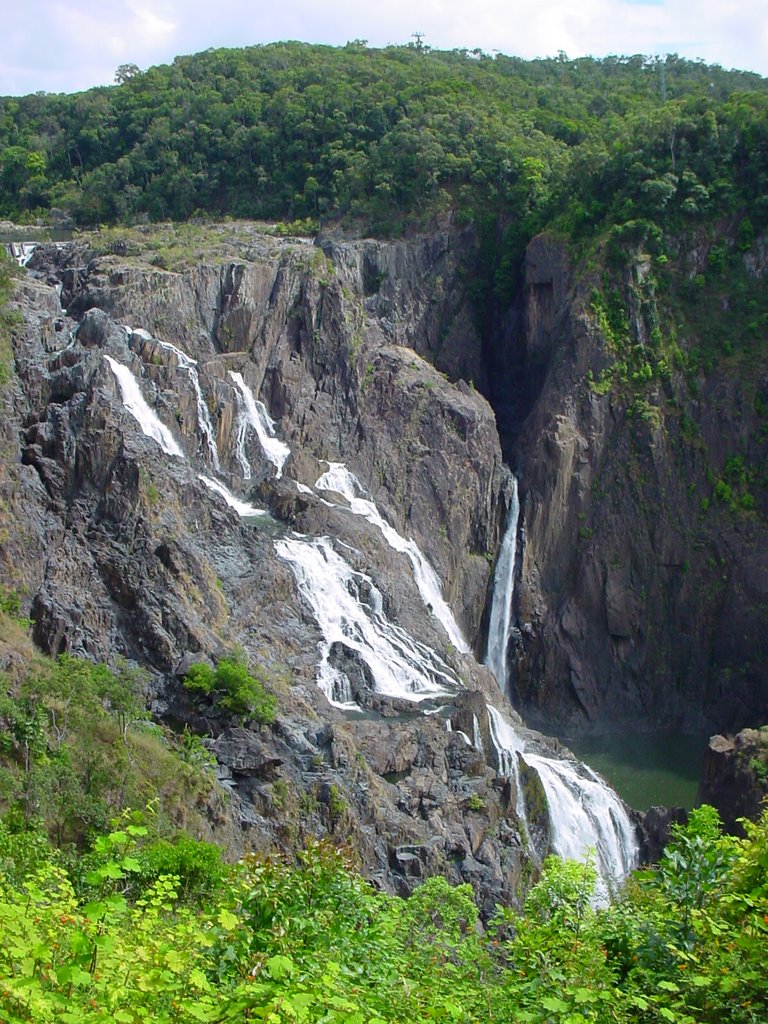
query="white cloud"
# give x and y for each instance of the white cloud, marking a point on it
(57, 45)
(150, 29)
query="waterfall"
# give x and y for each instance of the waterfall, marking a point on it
(338, 478)
(21, 251)
(477, 736)
(203, 416)
(241, 507)
(503, 590)
(189, 366)
(254, 414)
(508, 744)
(585, 814)
(134, 402)
(150, 424)
(349, 610)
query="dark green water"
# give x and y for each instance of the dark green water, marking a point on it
(35, 234)
(645, 768)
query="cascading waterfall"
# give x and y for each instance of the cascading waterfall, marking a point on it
(503, 591)
(134, 402)
(189, 366)
(153, 427)
(21, 251)
(339, 479)
(508, 744)
(585, 814)
(203, 416)
(243, 508)
(477, 736)
(349, 610)
(254, 414)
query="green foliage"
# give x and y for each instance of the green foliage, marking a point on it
(308, 941)
(233, 688)
(10, 319)
(302, 133)
(74, 750)
(733, 488)
(475, 802)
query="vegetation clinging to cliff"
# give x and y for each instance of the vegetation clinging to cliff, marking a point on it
(76, 747)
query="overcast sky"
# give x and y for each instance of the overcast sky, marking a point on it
(68, 45)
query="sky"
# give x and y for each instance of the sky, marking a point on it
(70, 45)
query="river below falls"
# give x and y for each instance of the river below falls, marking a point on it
(648, 768)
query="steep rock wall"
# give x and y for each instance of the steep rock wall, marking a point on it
(119, 548)
(641, 599)
(330, 337)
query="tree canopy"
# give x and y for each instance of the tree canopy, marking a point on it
(389, 137)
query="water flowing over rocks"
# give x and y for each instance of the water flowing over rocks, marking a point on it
(152, 514)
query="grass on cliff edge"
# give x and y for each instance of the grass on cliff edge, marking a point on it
(185, 244)
(9, 318)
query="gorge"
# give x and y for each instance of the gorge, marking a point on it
(362, 543)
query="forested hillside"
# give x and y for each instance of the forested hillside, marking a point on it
(388, 137)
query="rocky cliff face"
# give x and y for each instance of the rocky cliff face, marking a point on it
(631, 605)
(642, 595)
(734, 776)
(129, 460)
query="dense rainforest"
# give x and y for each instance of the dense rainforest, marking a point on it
(394, 136)
(565, 273)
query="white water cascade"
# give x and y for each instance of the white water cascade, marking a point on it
(21, 251)
(586, 815)
(134, 402)
(203, 416)
(241, 507)
(508, 744)
(349, 610)
(254, 414)
(503, 591)
(339, 479)
(151, 425)
(189, 366)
